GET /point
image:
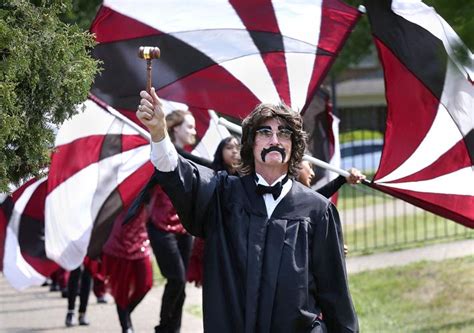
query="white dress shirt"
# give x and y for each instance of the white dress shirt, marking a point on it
(270, 202)
(164, 155)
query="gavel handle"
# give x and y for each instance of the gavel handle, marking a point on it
(148, 75)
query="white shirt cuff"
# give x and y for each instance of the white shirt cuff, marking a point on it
(164, 155)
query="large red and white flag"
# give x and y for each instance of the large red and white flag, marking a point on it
(22, 238)
(99, 164)
(227, 56)
(428, 155)
(234, 56)
(213, 135)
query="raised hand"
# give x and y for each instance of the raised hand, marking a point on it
(150, 113)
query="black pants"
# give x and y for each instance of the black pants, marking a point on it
(124, 314)
(79, 276)
(172, 252)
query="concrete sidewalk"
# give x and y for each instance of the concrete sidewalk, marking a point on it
(436, 252)
(39, 310)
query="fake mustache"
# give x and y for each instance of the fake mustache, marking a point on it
(281, 150)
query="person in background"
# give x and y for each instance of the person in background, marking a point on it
(98, 281)
(127, 265)
(98, 287)
(306, 175)
(59, 280)
(79, 281)
(226, 158)
(170, 242)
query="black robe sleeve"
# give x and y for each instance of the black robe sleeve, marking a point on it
(144, 196)
(191, 188)
(332, 187)
(330, 275)
(193, 158)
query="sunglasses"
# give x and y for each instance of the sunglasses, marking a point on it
(267, 134)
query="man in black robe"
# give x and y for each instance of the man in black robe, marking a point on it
(274, 260)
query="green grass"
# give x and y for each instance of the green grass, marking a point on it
(159, 280)
(402, 232)
(426, 297)
(353, 196)
(375, 233)
(359, 135)
(195, 310)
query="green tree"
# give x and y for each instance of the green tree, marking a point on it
(45, 71)
(82, 12)
(460, 16)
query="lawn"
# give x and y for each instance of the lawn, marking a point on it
(375, 222)
(354, 196)
(359, 135)
(426, 297)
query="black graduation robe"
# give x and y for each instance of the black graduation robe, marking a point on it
(332, 187)
(263, 274)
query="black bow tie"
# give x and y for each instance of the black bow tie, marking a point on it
(275, 190)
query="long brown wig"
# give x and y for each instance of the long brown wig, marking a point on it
(254, 120)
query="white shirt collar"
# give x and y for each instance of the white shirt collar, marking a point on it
(261, 180)
(270, 202)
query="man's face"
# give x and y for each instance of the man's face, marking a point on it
(272, 147)
(185, 134)
(306, 173)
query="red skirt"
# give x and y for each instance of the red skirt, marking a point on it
(128, 280)
(95, 267)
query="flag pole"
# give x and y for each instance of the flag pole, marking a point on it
(233, 127)
(215, 119)
(325, 165)
(237, 129)
(144, 133)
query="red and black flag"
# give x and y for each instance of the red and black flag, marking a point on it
(227, 56)
(428, 155)
(22, 237)
(99, 164)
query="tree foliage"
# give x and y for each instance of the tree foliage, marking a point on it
(82, 12)
(45, 71)
(460, 15)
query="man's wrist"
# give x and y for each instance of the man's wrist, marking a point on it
(158, 135)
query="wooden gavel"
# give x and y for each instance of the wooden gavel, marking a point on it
(148, 53)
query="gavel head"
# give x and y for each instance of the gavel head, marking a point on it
(149, 52)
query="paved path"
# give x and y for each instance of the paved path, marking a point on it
(435, 252)
(38, 310)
